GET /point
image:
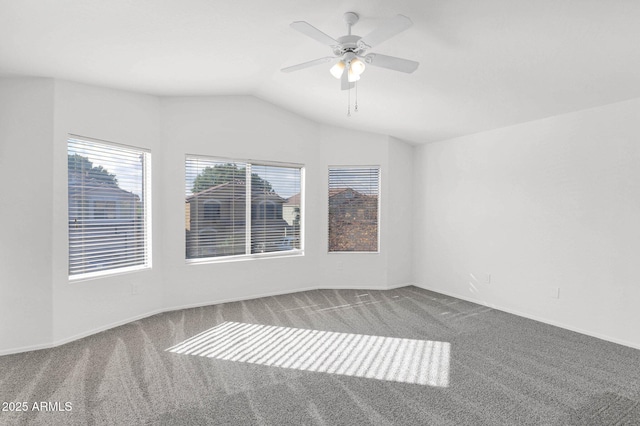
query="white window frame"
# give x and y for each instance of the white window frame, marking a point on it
(146, 202)
(248, 163)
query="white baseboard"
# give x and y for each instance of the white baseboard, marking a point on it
(280, 293)
(25, 349)
(394, 286)
(238, 299)
(366, 287)
(100, 329)
(534, 317)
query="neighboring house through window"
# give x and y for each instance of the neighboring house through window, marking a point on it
(104, 209)
(108, 207)
(354, 194)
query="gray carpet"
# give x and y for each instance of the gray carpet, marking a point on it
(328, 357)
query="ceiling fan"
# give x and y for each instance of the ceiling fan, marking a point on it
(350, 51)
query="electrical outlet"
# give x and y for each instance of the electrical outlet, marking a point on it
(340, 265)
(554, 292)
(487, 278)
(135, 288)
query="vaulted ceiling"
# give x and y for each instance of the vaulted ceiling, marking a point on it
(483, 64)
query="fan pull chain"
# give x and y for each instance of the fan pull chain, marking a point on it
(349, 104)
(356, 106)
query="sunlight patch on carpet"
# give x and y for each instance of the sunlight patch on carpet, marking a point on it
(423, 362)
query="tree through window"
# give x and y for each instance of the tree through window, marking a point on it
(251, 205)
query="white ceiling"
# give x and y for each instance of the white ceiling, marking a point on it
(483, 64)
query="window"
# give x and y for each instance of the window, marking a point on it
(212, 210)
(267, 210)
(239, 208)
(354, 194)
(109, 207)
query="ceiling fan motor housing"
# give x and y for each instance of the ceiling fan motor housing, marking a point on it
(348, 43)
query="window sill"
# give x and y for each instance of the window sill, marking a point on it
(353, 252)
(107, 273)
(245, 257)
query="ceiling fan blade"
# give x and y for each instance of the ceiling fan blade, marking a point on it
(311, 31)
(391, 62)
(388, 29)
(344, 81)
(308, 64)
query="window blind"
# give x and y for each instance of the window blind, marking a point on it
(215, 208)
(275, 214)
(353, 209)
(108, 207)
(235, 208)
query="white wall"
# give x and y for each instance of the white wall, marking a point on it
(236, 127)
(398, 213)
(247, 128)
(42, 307)
(26, 126)
(83, 307)
(539, 206)
(547, 205)
(342, 147)
(391, 267)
